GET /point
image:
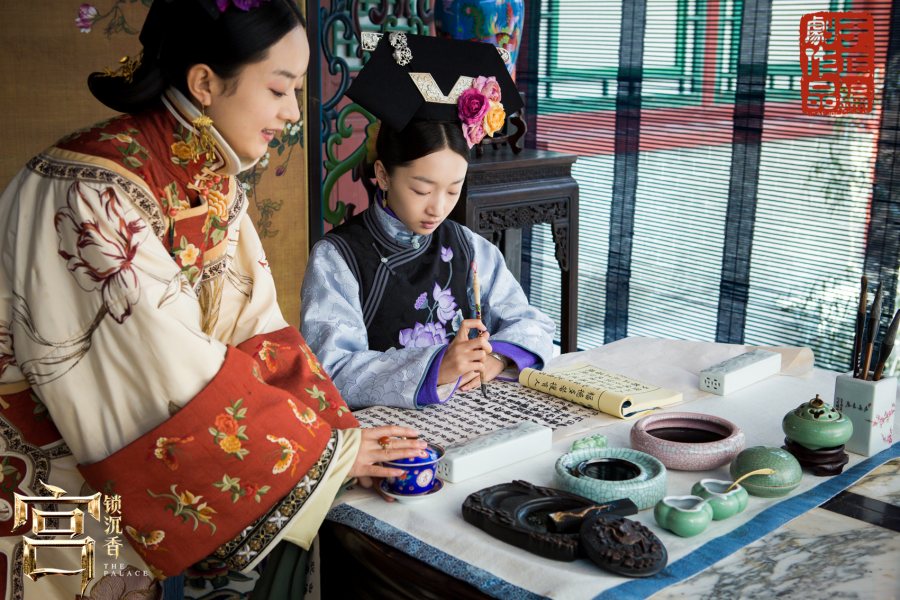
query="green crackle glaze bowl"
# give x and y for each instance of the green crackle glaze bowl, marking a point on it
(724, 504)
(782, 482)
(686, 516)
(817, 425)
(606, 474)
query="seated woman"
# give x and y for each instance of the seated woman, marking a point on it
(387, 301)
(138, 312)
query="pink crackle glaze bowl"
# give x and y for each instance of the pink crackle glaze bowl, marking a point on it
(688, 441)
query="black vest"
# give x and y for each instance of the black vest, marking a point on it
(395, 280)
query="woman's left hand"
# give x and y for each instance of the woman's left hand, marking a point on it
(471, 381)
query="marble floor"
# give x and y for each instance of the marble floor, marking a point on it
(821, 554)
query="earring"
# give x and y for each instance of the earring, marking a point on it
(202, 141)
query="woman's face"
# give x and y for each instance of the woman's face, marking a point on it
(423, 193)
(250, 110)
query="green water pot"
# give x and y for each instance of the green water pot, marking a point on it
(787, 472)
(686, 516)
(817, 425)
(724, 503)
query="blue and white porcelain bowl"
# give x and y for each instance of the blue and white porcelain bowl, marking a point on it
(420, 472)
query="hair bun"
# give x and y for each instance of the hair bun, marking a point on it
(129, 95)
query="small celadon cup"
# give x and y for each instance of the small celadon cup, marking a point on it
(419, 472)
(686, 516)
(724, 504)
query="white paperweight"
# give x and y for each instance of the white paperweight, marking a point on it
(494, 450)
(740, 371)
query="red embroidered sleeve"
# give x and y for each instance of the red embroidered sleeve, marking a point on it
(285, 361)
(236, 450)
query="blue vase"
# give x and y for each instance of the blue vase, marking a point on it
(497, 22)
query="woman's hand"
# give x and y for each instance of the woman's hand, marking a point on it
(471, 381)
(465, 356)
(400, 443)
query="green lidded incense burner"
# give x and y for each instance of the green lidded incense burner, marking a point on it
(816, 425)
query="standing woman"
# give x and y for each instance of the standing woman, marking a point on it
(137, 310)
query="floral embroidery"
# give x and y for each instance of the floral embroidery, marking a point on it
(209, 186)
(444, 303)
(423, 336)
(182, 148)
(444, 309)
(40, 411)
(100, 259)
(150, 540)
(316, 394)
(8, 484)
(311, 361)
(181, 153)
(238, 490)
(289, 450)
(132, 151)
(228, 433)
(187, 255)
(187, 506)
(268, 353)
(172, 201)
(165, 449)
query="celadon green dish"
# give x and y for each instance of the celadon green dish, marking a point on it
(632, 474)
(686, 516)
(724, 504)
(782, 482)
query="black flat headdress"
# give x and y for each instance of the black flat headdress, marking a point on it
(421, 77)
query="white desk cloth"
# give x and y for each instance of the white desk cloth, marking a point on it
(503, 570)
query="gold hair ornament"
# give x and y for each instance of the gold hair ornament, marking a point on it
(127, 67)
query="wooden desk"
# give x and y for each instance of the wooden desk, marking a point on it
(505, 192)
(426, 550)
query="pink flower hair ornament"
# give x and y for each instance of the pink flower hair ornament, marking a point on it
(480, 110)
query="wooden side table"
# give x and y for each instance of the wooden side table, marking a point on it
(505, 192)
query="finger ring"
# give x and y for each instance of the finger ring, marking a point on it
(385, 442)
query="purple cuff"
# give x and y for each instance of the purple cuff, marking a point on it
(428, 392)
(523, 358)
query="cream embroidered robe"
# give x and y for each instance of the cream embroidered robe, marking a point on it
(142, 350)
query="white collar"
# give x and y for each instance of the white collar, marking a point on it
(185, 111)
